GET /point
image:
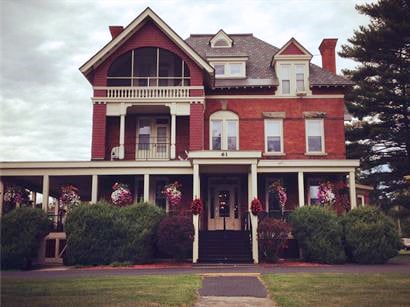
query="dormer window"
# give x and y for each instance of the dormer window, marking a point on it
(285, 78)
(300, 77)
(221, 40)
(229, 70)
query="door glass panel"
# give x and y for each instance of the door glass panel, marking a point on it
(232, 134)
(144, 134)
(162, 139)
(216, 134)
(224, 203)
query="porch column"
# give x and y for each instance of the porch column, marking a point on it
(195, 218)
(173, 135)
(34, 198)
(146, 187)
(254, 219)
(122, 137)
(352, 189)
(46, 183)
(1, 196)
(301, 189)
(94, 189)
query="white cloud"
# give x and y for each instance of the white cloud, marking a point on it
(45, 107)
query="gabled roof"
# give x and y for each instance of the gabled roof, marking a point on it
(113, 45)
(221, 35)
(292, 45)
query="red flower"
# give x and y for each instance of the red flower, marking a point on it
(256, 206)
(196, 206)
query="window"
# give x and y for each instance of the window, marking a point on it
(153, 137)
(274, 135)
(360, 200)
(285, 78)
(229, 70)
(300, 77)
(314, 136)
(148, 66)
(224, 131)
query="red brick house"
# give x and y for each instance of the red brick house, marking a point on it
(226, 115)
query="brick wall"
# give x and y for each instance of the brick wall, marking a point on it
(98, 131)
(251, 123)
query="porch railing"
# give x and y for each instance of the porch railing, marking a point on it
(58, 223)
(152, 151)
(147, 92)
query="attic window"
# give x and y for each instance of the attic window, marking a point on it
(221, 40)
(229, 70)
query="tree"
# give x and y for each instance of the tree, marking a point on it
(380, 134)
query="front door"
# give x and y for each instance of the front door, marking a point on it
(224, 209)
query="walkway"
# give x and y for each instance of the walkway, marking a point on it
(241, 290)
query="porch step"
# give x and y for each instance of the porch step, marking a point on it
(225, 247)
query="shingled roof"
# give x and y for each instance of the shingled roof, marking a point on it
(258, 66)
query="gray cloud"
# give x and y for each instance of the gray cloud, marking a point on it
(45, 107)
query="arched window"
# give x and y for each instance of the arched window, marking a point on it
(148, 66)
(224, 131)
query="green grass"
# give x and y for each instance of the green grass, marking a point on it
(178, 290)
(339, 289)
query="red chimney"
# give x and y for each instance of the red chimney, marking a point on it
(327, 50)
(115, 31)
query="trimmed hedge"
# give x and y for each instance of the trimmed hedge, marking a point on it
(370, 237)
(21, 233)
(175, 236)
(102, 233)
(272, 237)
(319, 234)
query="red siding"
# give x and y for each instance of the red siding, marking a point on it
(182, 137)
(292, 49)
(148, 36)
(196, 127)
(251, 123)
(113, 135)
(130, 137)
(98, 132)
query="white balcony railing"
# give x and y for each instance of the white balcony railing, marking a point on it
(159, 92)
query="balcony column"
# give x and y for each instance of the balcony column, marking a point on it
(46, 187)
(94, 189)
(352, 189)
(146, 188)
(301, 190)
(173, 135)
(122, 137)
(1, 196)
(252, 193)
(195, 217)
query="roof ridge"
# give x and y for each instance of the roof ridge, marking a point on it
(229, 34)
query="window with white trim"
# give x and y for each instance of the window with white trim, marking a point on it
(229, 70)
(315, 136)
(274, 136)
(300, 77)
(285, 78)
(224, 131)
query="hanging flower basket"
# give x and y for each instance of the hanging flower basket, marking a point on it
(256, 206)
(121, 196)
(15, 195)
(325, 194)
(69, 197)
(196, 206)
(173, 193)
(279, 193)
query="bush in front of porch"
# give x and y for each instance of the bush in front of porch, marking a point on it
(319, 234)
(102, 233)
(21, 233)
(370, 236)
(272, 236)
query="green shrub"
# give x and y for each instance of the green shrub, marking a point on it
(21, 233)
(319, 234)
(370, 237)
(102, 233)
(272, 237)
(175, 236)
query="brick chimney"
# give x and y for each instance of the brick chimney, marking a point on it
(115, 31)
(327, 50)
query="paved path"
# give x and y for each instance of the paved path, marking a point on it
(239, 290)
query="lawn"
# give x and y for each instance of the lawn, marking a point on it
(339, 289)
(108, 291)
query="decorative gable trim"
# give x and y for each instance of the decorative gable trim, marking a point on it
(221, 36)
(136, 24)
(292, 50)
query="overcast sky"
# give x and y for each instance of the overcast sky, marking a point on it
(45, 106)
